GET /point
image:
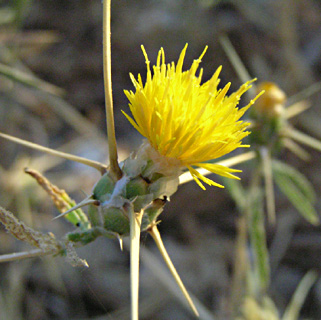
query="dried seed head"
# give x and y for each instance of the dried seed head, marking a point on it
(45, 241)
(57, 195)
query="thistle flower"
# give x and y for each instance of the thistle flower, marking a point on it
(186, 122)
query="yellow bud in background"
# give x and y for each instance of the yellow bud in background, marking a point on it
(271, 103)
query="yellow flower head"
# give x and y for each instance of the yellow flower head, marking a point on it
(185, 120)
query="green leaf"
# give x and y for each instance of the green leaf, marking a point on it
(297, 189)
(297, 177)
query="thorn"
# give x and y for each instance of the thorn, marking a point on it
(121, 242)
(83, 203)
(153, 231)
(94, 164)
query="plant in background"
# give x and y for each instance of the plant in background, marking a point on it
(271, 133)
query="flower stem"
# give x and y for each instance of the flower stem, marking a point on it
(113, 158)
(153, 231)
(135, 223)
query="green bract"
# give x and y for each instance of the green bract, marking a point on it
(141, 188)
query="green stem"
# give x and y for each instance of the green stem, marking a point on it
(255, 220)
(268, 180)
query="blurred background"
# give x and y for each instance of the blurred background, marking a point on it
(60, 42)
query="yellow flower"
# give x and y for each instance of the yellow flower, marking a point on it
(185, 120)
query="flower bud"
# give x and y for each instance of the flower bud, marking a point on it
(271, 103)
(268, 115)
